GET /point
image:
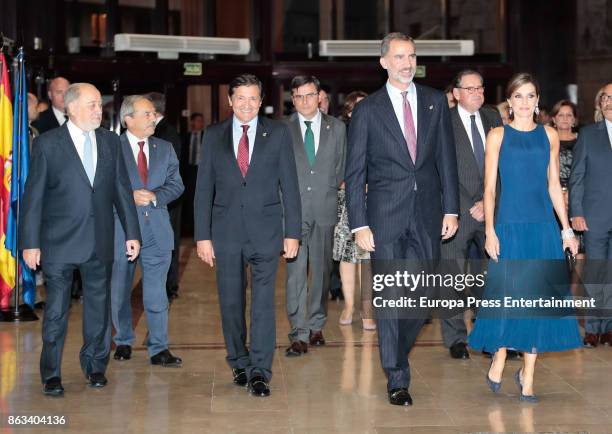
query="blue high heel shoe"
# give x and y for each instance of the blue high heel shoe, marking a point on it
(494, 386)
(525, 398)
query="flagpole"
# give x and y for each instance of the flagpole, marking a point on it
(21, 312)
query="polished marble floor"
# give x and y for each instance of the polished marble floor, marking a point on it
(338, 388)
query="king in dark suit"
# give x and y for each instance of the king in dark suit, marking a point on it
(77, 175)
(401, 138)
(246, 167)
(153, 169)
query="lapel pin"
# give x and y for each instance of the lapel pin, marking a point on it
(327, 127)
(265, 134)
(154, 145)
(430, 107)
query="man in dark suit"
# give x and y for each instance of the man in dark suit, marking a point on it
(55, 115)
(471, 123)
(192, 144)
(166, 131)
(591, 211)
(246, 166)
(319, 145)
(77, 175)
(401, 137)
(154, 175)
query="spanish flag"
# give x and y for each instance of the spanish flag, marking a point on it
(7, 261)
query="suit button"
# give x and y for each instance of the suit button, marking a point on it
(309, 188)
(312, 172)
(244, 184)
(241, 206)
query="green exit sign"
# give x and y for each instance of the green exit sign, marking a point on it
(421, 71)
(192, 68)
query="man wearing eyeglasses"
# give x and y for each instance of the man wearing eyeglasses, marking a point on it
(319, 145)
(471, 122)
(591, 212)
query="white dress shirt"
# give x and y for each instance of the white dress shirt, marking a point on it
(467, 124)
(315, 127)
(237, 134)
(609, 128)
(79, 142)
(397, 100)
(59, 115)
(136, 149)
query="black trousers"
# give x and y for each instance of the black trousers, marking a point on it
(94, 354)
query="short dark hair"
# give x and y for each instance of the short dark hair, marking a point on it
(194, 115)
(301, 80)
(463, 73)
(159, 101)
(246, 80)
(564, 103)
(395, 36)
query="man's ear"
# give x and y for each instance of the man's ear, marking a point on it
(383, 62)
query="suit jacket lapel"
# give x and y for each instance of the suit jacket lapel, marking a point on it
(298, 148)
(69, 148)
(153, 163)
(425, 112)
(390, 120)
(229, 148)
(261, 138)
(464, 145)
(130, 163)
(324, 137)
(102, 157)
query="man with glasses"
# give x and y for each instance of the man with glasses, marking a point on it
(471, 122)
(591, 212)
(153, 169)
(319, 145)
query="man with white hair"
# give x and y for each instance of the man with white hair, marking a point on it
(77, 175)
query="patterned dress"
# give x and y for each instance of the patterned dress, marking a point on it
(345, 249)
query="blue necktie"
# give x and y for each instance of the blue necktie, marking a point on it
(478, 145)
(88, 162)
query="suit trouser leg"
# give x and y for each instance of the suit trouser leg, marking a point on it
(172, 278)
(320, 258)
(58, 278)
(263, 322)
(453, 328)
(155, 264)
(121, 300)
(598, 249)
(231, 286)
(297, 287)
(95, 351)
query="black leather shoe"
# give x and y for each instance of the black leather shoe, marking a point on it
(166, 359)
(400, 397)
(316, 338)
(459, 351)
(123, 352)
(240, 377)
(97, 379)
(259, 387)
(53, 387)
(296, 349)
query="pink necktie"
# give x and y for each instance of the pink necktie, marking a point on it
(409, 132)
(243, 151)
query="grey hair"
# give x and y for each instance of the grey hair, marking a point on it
(73, 93)
(395, 36)
(127, 106)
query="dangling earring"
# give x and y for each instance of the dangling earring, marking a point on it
(537, 111)
(510, 111)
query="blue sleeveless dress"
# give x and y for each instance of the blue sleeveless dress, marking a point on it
(531, 261)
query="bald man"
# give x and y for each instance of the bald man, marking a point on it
(55, 115)
(77, 177)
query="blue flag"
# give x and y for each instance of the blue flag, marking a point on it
(19, 174)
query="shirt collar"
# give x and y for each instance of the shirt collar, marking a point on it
(134, 140)
(608, 124)
(74, 130)
(394, 92)
(463, 113)
(58, 113)
(315, 120)
(252, 123)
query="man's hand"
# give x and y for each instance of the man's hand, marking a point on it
(143, 197)
(579, 224)
(365, 239)
(449, 226)
(206, 252)
(477, 211)
(133, 249)
(290, 246)
(31, 258)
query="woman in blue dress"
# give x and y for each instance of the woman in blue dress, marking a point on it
(523, 241)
